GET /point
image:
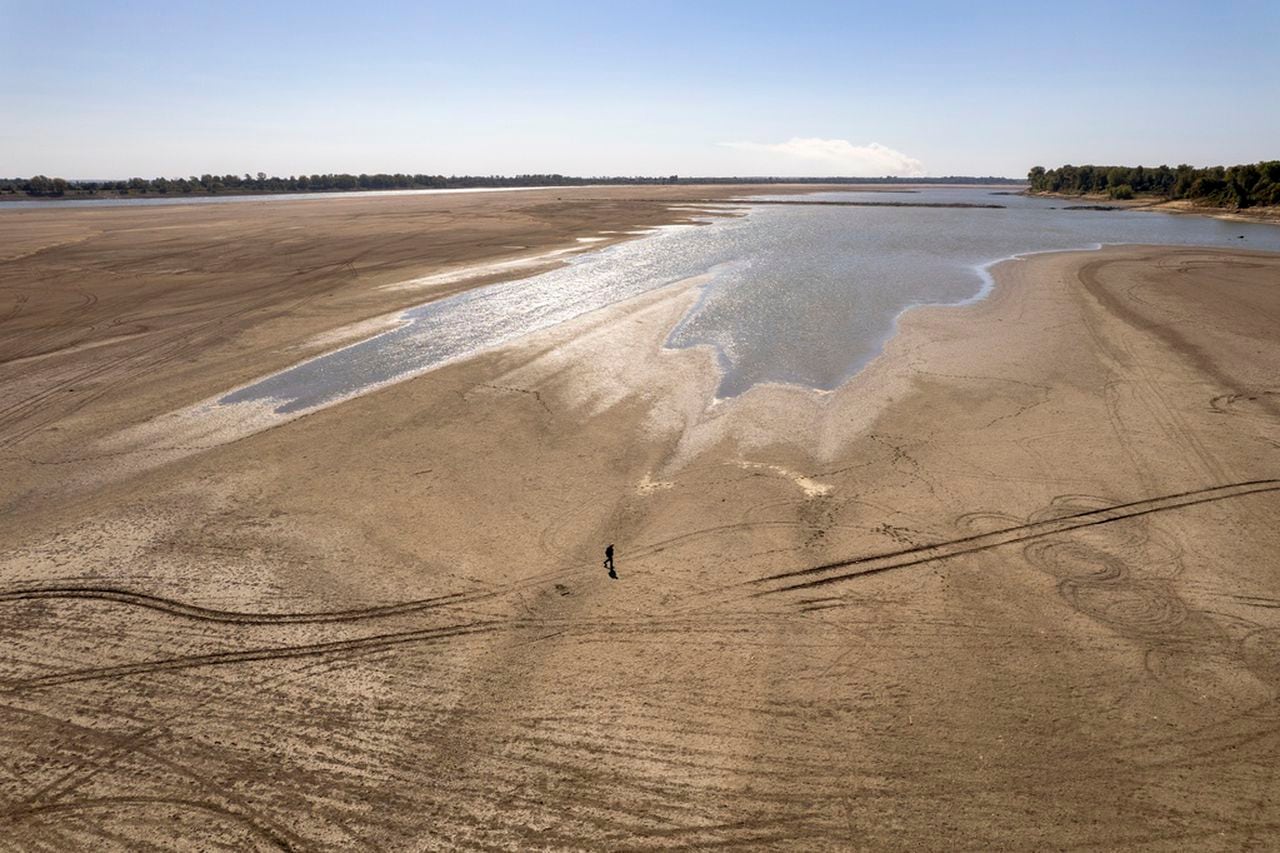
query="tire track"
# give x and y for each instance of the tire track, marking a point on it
(817, 576)
(208, 614)
(160, 351)
(233, 802)
(376, 642)
(116, 804)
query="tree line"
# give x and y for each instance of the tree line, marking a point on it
(43, 186)
(1247, 185)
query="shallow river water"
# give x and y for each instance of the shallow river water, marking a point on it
(797, 294)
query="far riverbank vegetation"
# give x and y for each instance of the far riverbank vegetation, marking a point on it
(42, 186)
(1247, 185)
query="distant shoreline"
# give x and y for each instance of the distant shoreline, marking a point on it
(17, 202)
(44, 189)
(156, 199)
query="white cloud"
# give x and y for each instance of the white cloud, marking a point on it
(835, 157)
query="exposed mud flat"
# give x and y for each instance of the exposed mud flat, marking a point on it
(1013, 585)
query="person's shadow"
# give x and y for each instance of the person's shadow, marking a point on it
(608, 562)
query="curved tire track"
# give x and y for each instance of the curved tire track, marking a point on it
(376, 642)
(208, 614)
(876, 563)
(117, 804)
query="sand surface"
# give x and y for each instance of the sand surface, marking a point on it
(1014, 585)
(1263, 213)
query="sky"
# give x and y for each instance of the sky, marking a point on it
(697, 87)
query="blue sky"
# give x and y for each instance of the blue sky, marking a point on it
(112, 89)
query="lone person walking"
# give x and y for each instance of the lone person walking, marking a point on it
(608, 562)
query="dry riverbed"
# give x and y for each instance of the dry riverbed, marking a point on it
(1014, 585)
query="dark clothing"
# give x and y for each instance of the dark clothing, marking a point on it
(608, 562)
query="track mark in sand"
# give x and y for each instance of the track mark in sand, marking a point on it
(377, 642)
(69, 350)
(876, 563)
(168, 804)
(537, 395)
(207, 614)
(1257, 601)
(648, 485)
(1257, 403)
(814, 608)
(811, 488)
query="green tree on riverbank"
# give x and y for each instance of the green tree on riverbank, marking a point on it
(1246, 185)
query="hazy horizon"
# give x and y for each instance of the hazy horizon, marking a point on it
(717, 90)
(803, 178)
